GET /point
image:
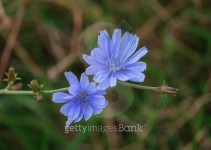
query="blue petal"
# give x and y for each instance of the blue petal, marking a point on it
(59, 97)
(91, 88)
(66, 107)
(84, 81)
(130, 73)
(135, 57)
(71, 78)
(74, 110)
(99, 106)
(101, 76)
(80, 116)
(97, 52)
(68, 122)
(99, 92)
(131, 47)
(121, 76)
(97, 99)
(96, 110)
(113, 80)
(92, 61)
(139, 66)
(104, 42)
(98, 55)
(124, 41)
(104, 84)
(87, 110)
(69, 97)
(139, 78)
(74, 89)
(91, 70)
(116, 38)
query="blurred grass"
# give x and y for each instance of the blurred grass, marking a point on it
(177, 34)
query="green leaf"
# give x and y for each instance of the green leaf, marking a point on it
(42, 85)
(18, 78)
(6, 80)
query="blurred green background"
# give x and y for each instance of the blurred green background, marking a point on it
(51, 35)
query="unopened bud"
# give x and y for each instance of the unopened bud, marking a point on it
(168, 90)
(34, 85)
(11, 76)
(16, 87)
(39, 98)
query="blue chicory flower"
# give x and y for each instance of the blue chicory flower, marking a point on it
(115, 58)
(83, 99)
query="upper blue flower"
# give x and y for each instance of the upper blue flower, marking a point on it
(115, 58)
(83, 99)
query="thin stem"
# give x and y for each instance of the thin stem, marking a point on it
(161, 89)
(57, 90)
(8, 92)
(142, 87)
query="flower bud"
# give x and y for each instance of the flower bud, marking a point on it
(39, 98)
(16, 87)
(168, 90)
(11, 76)
(34, 85)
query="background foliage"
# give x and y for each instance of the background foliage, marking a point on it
(177, 34)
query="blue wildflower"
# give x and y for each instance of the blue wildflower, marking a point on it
(83, 99)
(115, 58)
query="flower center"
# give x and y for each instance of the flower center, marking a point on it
(114, 65)
(82, 97)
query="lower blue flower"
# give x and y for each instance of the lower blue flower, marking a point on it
(83, 99)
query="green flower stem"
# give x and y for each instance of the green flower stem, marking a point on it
(142, 87)
(162, 89)
(8, 92)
